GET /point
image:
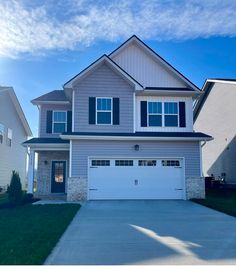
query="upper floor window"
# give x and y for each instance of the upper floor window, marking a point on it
(1, 133)
(154, 114)
(171, 114)
(59, 121)
(104, 110)
(9, 137)
(162, 114)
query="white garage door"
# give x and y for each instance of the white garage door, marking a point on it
(118, 178)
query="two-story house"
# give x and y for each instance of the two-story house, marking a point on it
(218, 156)
(14, 130)
(121, 129)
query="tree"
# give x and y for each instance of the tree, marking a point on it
(15, 189)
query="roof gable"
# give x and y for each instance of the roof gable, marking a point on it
(149, 68)
(104, 59)
(18, 108)
(206, 90)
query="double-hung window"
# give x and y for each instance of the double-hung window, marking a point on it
(155, 114)
(59, 121)
(1, 133)
(104, 110)
(171, 114)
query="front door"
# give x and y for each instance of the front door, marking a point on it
(58, 176)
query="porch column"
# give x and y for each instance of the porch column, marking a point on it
(30, 175)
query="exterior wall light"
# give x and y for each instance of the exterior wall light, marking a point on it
(136, 147)
(45, 162)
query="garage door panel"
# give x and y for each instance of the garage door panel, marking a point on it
(135, 181)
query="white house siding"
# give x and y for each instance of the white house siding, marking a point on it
(189, 114)
(146, 70)
(43, 117)
(103, 82)
(14, 157)
(217, 118)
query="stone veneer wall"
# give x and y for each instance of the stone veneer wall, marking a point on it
(43, 186)
(195, 188)
(77, 189)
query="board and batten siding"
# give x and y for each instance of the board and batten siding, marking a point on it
(188, 110)
(145, 69)
(43, 118)
(81, 150)
(103, 82)
(217, 118)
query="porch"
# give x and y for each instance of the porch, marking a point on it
(48, 168)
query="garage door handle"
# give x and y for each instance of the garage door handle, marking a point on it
(93, 189)
(178, 189)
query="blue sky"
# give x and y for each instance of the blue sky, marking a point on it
(45, 43)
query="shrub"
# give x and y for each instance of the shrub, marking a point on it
(15, 189)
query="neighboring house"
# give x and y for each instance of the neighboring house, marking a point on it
(121, 129)
(14, 130)
(214, 113)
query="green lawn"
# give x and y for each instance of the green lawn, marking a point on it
(223, 200)
(3, 198)
(29, 233)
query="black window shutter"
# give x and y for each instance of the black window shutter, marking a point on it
(49, 122)
(116, 111)
(182, 114)
(92, 110)
(143, 113)
(69, 121)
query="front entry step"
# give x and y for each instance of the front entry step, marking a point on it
(53, 196)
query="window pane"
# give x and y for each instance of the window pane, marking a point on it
(99, 104)
(104, 117)
(103, 104)
(59, 127)
(155, 120)
(59, 116)
(171, 120)
(171, 108)
(124, 163)
(108, 105)
(147, 162)
(154, 107)
(175, 163)
(59, 172)
(100, 162)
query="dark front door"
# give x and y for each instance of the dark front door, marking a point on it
(58, 176)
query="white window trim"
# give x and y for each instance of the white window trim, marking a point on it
(166, 114)
(111, 111)
(163, 114)
(54, 111)
(154, 114)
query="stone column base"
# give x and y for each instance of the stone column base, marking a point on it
(195, 188)
(76, 189)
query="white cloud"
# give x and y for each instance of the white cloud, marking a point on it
(29, 27)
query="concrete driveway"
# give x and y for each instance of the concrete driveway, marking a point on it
(147, 232)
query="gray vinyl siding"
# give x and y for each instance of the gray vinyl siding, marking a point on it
(43, 118)
(14, 157)
(217, 118)
(103, 82)
(81, 150)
